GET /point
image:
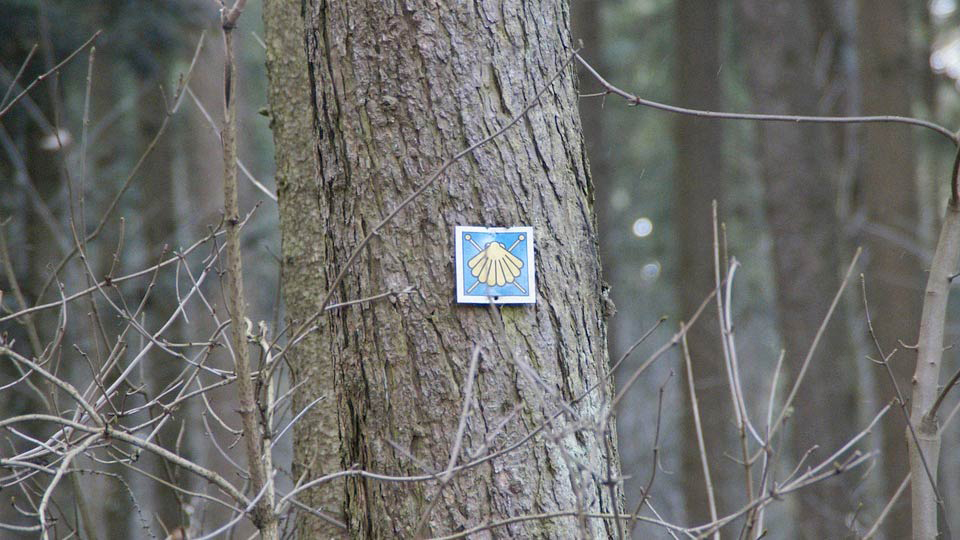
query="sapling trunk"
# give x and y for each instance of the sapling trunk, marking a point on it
(923, 467)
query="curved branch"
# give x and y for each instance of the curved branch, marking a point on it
(63, 385)
(637, 100)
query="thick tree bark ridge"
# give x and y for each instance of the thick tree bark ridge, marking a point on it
(396, 90)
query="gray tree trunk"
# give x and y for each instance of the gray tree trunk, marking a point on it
(699, 177)
(798, 170)
(588, 28)
(895, 274)
(302, 232)
(155, 198)
(397, 89)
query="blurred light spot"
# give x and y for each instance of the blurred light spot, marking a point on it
(620, 199)
(942, 9)
(650, 271)
(946, 59)
(642, 227)
(55, 141)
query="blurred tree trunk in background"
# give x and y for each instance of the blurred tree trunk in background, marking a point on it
(587, 27)
(698, 181)
(36, 159)
(396, 92)
(301, 229)
(154, 230)
(798, 170)
(894, 274)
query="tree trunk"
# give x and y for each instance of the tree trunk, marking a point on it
(894, 270)
(587, 25)
(301, 230)
(397, 90)
(698, 172)
(155, 201)
(797, 167)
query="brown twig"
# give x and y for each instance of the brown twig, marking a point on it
(872, 531)
(51, 71)
(457, 441)
(675, 340)
(813, 346)
(161, 452)
(901, 401)
(655, 461)
(701, 446)
(729, 348)
(943, 393)
(636, 100)
(260, 479)
(23, 67)
(954, 189)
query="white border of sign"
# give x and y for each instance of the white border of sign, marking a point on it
(464, 298)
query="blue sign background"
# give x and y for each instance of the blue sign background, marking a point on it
(507, 239)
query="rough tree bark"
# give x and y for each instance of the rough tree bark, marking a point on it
(797, 167)
(894, 270)
(397, 89)
(301, 231)
(698, 173)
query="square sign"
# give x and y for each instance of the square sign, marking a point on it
(495, 264)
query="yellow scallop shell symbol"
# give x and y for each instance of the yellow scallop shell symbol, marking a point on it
(495, 265)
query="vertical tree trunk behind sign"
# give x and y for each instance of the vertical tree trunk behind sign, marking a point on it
(396, 90)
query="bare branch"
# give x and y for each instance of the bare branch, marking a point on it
(53, 70)
(925, 450)
(636, 100)
(708, 482)
(813, 346)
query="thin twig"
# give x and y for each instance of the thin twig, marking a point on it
(813, 346)
(636, 100)
(901, 401)
(457, 440)
(23, 67)
(389, 294)
(943, 393)
(707, 480)
(51, 71)
(655, 462)
(243, 168)
(886, 509)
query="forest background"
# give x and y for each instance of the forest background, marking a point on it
(795, 206)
